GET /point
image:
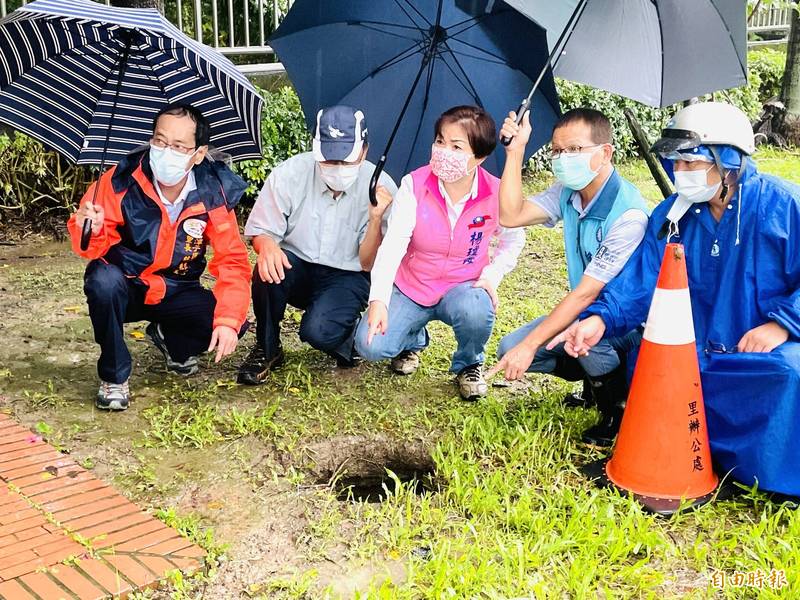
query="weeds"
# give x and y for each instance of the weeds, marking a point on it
(191, 527)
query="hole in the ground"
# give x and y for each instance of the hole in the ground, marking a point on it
(372, 488)
(355, 467)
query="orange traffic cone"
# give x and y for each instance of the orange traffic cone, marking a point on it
(662, 453)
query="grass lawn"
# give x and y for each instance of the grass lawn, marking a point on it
(260, 476)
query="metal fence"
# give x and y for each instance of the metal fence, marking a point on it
(771, 24)
(240, 29)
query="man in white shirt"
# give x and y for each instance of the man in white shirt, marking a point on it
(316, 234)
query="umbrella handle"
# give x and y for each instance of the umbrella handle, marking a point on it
(523, 108)
(86, 234)
(373, 183)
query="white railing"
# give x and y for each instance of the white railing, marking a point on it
(241, 28)
(770, 19)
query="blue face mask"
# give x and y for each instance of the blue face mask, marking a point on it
(573, 170)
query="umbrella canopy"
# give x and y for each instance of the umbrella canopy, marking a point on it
(658, 52)
(60, 80)
(369, 54)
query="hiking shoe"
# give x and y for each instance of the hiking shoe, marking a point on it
(113, 396)
(351, 363)
(471, 384)
(257, 365)
(405, 363)
(189, 367)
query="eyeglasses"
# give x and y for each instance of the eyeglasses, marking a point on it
(180, 148)
(571, 150)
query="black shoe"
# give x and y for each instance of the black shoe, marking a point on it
(189, 367)
(256, 367)
(344, 363)
(610, 392)
(583, 399)
(605, 432)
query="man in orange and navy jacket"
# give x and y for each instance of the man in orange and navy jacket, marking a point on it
(152, 219)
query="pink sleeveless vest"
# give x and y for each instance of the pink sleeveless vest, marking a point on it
(435, 261)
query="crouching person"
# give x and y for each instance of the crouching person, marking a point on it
(434, 263)
(154, 215)
(604, 219)
(316, 234)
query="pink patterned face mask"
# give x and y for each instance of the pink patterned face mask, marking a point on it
(449, 165)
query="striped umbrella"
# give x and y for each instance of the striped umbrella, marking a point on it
(87, 79)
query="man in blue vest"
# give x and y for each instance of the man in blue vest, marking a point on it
(604, 219)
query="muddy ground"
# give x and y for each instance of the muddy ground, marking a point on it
(262, 482)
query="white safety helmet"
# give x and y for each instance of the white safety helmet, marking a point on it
(707, 131)
(707, 124)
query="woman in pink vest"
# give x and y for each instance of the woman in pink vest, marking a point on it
(435, 262)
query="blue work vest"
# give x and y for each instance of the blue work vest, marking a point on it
(583, 237)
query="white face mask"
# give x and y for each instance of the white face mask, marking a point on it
(694, 186)
(169, 166)
(339, 178)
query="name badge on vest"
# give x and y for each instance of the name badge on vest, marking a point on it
(194, 227)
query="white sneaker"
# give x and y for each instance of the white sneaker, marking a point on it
(113, 396)
(471, 384)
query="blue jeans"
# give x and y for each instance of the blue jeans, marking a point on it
(468, 310)
(601, 360)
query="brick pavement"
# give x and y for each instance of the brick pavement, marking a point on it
(66, 534)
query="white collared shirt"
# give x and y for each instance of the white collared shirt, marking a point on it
(297, 210)
(174, 208)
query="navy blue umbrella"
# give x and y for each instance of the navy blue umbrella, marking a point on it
(405, 62)
(87, 80)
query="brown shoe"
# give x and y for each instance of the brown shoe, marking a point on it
(405, 363)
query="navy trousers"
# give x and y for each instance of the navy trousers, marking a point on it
(186, 318)
(332, 299)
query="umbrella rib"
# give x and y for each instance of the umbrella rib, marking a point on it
(474, 23)
(408, 14)
(470, 89)
(416, 10)
(661, 34)
(389, 33)
(497, 57)
(730, 37)
(387, 24)
(409, 52)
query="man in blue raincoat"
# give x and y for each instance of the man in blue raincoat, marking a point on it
(741, 233)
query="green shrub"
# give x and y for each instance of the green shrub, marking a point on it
(283, 134)
(37, 185)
